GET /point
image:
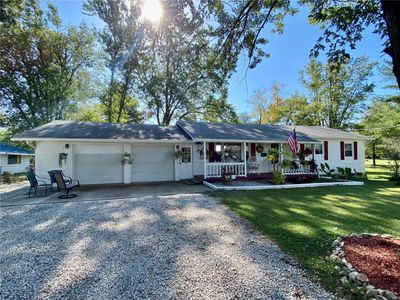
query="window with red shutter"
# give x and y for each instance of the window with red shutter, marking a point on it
(341, 150)
(355, 151)
(326, 156)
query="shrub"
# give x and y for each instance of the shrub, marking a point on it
(7, 177)
(326, 169)
(278, 178)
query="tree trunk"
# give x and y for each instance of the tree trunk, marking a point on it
(373, 154)
(391, 14)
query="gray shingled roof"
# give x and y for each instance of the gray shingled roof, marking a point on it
(97, 130)
(253, 132)
(243, 132)
(184, 131)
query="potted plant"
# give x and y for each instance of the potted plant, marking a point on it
(178, 154)
(126, 159)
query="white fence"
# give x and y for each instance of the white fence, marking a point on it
(215, 170)
(300, 170)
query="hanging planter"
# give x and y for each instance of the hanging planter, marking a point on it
(126, 159)
(62, 157)
(178, 154)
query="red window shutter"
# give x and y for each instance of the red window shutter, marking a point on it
(326, 150)
(341, 150)
(302, 147)
(252, 149)
(355, 151)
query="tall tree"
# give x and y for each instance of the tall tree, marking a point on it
(220, 111)
(179, 72)
(336, 95)
(266, 104)
(172, 66)
(119, 39)
(381, 121)
(344, 22)
(259, 105)
(42, 65)
(337, 92)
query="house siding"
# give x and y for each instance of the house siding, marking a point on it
(17, 168)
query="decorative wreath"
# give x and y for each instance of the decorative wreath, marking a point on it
(260, 149)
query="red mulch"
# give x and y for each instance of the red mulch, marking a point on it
(376, 257)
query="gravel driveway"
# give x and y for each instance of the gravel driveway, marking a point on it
(165, 247)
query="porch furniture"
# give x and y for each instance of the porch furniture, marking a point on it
(66, 178)
(67, 187)
(252, 165)
(36, 182)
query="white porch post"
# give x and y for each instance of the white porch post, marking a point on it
(205, 159)
(127, 167)
(244, 159)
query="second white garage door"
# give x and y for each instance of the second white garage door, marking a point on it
(152, 163)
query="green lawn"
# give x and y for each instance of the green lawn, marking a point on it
(304, 222)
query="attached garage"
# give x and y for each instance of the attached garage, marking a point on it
(98, 163)
(152, 162)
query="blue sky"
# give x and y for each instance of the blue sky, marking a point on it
(289, 54)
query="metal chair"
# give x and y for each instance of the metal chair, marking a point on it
(66, 178)
(252, 164)
(67, 187)
(34, 183)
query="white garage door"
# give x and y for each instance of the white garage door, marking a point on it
(98, 163)
(152, 163)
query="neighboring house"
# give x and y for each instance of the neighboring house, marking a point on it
(14, 159)
(93, 152)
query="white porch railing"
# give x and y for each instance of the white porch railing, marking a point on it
(215, 169)
(300, 170)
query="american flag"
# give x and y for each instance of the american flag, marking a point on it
(292, 141)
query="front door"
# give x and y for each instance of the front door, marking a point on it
(185, 164)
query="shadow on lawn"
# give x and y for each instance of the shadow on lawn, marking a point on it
(304, 222)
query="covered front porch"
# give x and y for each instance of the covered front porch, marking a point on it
(248, 160)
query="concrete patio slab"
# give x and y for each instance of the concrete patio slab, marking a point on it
(111, 192)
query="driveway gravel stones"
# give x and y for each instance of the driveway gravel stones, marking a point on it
(165, 247)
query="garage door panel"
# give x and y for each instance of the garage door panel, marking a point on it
(96, 164)
(152, 163)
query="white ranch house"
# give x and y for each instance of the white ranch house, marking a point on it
(14, 159)
(93, 152)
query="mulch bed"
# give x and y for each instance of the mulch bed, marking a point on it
(377, 258)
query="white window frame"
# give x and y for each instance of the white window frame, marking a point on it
(322, 149)
(346, 150)
(186, 155)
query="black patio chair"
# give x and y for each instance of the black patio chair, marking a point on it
(67, 179)
(35, 183)
(67, 187)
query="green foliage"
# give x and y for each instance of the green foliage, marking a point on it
(240, 24)
(345, 21)
(278, 177)
(344, 173)
(326, 169)
(336, 96)
(220, 111)
(41, 65)
(6, 177)
(382, 122)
